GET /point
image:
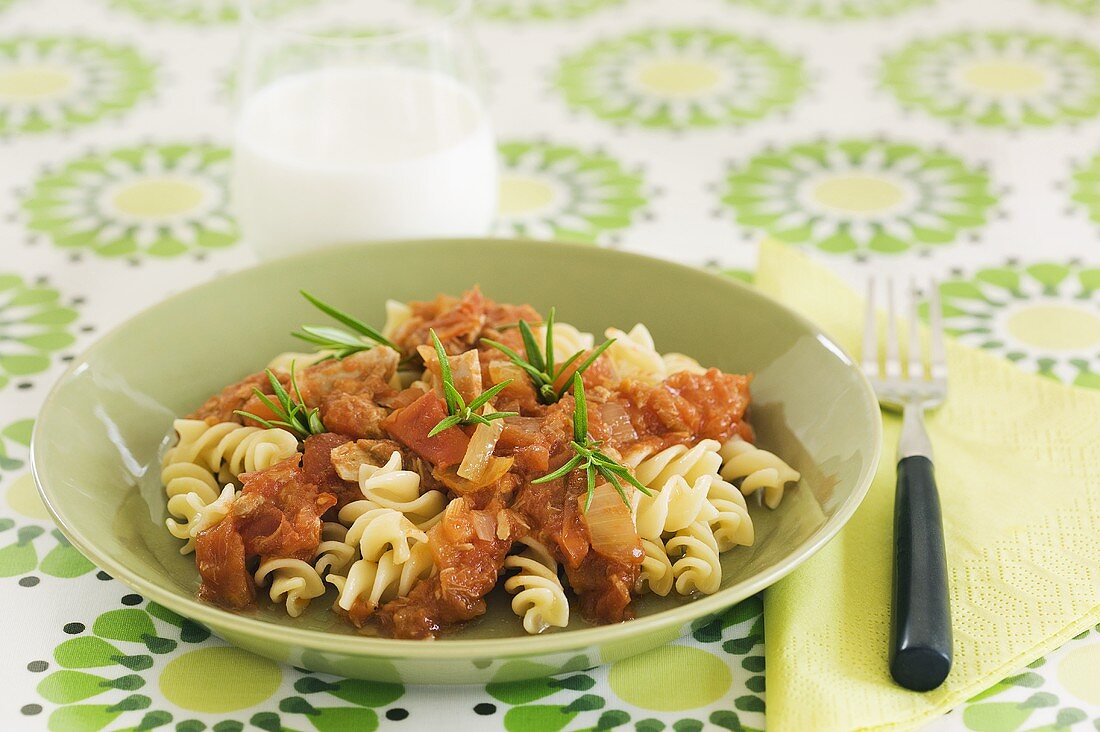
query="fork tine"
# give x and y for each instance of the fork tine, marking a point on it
(870, 333)
(893, 359)
(916, 362)
(935, 317)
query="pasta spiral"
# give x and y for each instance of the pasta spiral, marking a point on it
(334, 554)
(539, 596)
(181, 479)
(391, 487)
(673, 506)
(697, 568)
(293, 582)
(228, 449)
(634, 355)
(374, 583)
(567, 340)
(655, 574)
(731, 523)
(757, 469)
(377, 530)
(300, 360)
(677, 362)
(691, 463)
(397, 314)
(679, 478)
(197, 514)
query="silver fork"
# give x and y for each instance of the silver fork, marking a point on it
(920, 634)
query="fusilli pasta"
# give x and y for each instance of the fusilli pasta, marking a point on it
(690, 463)
(397, 314)
(228, 449)
(293, 582)
(391, 487)
(300, 360)
(334, 554)
(539, 596)
(655, 574)
(696, 566)
(634, 355)
(731, 523)
(376, 530)
(567, 340)
(374, 583)
(197, 514)
(756, 469)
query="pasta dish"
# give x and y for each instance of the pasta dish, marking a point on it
(404, 472)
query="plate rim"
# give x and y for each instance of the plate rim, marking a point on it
(458, 648)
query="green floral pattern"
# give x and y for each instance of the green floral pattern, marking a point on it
(834, 10)
(1086, 187)
(681, 78)
(34, 325)
(50, 83)
(1045, 317)
(531, 10)
(1030, 700)
(1084, 7)
(36, 547)
(997, 79)
(159, 200)
(859, 196)
(201, 12)
(107, 673)
(571, 700)
(553, 191)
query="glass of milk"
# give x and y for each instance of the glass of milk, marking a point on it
(352, 126)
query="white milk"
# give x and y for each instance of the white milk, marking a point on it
(348, 154)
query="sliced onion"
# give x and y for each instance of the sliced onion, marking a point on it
(610, 526)
(347, 459)
(485, 525)
(496, 469)
(482, 444)
(500, 370)
(465, 371)
(617, 420)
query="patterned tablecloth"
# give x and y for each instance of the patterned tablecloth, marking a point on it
(960, 139)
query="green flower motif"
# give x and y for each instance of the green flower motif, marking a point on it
(1009, 79)
(103, 678)
(531, 10)
(1084, 7)
(34, 324)
(160, 200)
(50, 83)
(1045, 317)
(859, 196)
(1037, 701)
(1086, 187)
(834, 10)
(27, 547)
(551, 191)
(201, 12)
(681, 78)
(571, 699)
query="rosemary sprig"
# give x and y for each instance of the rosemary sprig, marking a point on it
(459, 412)
(589, 457)
(540, 364)
(292, 415)
(338, 340)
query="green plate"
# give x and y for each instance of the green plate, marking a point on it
(98, 438)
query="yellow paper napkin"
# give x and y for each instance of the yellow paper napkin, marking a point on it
(1018, 464)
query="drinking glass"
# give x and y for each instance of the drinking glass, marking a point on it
(351, 126)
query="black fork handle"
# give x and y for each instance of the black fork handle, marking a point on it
(920, 635)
